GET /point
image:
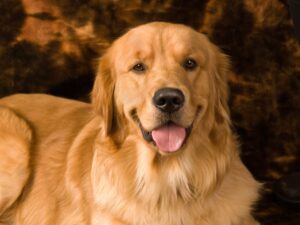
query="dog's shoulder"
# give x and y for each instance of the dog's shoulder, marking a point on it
(43, 105)
(47, 114)
(41, 101)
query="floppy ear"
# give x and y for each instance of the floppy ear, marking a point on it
(221, 72)
(219, 68)
(103, 93)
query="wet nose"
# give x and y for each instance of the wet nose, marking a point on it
(168, 100)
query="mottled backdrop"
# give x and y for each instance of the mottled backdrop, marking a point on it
(52, 46)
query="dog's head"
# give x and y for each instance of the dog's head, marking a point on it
(167, 82)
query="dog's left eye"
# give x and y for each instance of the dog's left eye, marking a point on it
(189, 64)
(139, 68)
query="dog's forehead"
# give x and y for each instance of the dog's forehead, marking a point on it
(159, 35)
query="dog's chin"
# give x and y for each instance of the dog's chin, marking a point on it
(167, 138)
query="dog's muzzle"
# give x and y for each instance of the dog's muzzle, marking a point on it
(169, 136)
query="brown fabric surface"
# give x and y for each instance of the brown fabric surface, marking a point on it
(52, 46)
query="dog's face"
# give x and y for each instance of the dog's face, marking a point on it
(167, 81)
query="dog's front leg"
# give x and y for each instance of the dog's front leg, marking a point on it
(15, 138)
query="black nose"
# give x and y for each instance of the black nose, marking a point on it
(168, 99)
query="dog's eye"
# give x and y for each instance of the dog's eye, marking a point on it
(139, 68)
(189, 64)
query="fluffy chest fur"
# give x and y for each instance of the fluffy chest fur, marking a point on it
(179, 191)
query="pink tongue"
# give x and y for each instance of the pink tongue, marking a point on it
(169, 138)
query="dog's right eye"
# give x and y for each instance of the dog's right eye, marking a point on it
(139, 68)
(189, 64)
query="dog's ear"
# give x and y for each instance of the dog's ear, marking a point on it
(219, 69)
(103, 92)
(221, 73)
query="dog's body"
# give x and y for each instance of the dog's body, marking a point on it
(154, 148)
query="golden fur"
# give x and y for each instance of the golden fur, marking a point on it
(65, 162)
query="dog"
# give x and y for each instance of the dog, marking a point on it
(154, 147)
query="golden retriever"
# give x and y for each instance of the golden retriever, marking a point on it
(155, 147)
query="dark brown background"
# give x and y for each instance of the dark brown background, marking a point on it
(52, 46)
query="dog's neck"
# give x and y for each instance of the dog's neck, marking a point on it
(137, 171)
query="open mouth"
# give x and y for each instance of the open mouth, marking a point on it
(168, 138)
